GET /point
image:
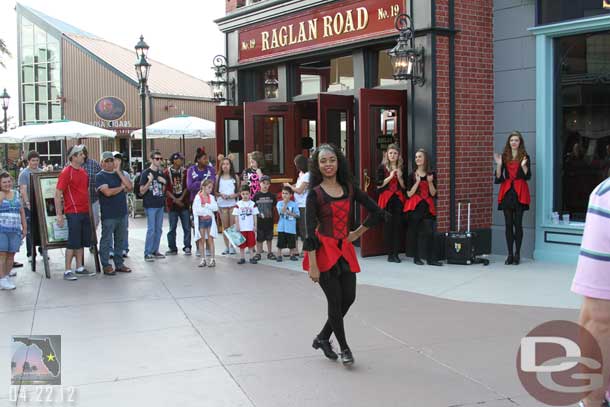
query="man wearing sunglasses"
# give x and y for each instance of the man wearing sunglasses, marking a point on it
(152, 189)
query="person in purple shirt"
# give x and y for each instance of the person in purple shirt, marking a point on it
(199, 172)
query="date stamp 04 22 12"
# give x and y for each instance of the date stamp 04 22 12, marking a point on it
(42, 394)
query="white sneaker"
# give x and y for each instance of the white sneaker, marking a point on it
(202, 263)
(12, 273)
(5, 284)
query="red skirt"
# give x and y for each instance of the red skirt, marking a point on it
(386, 195)
(250, 240)
(329, 254)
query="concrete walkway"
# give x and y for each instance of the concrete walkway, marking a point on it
(172, 334)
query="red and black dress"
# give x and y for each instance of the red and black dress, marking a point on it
(392, 199)
(514, 192)
(421, 213)
(513, 199)
(328, 222)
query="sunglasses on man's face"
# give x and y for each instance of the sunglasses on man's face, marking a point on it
(157, 158)
(109, 160)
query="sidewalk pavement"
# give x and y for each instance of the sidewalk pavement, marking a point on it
(173, 334)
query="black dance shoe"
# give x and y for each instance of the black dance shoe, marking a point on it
(516, 259)
(326, 347)
(435, 263)
(346, 357)
(509, 260)
(392, 258)
(418, 262)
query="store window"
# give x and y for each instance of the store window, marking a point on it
(582, 139)
(552, 11)
(40, 75)
(50, 152)
(385, 70)
(269, 139)
(330, 75)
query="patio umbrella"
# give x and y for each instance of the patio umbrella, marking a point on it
(179, 127)
(60, 130)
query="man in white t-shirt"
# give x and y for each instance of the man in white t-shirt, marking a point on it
(300, 189)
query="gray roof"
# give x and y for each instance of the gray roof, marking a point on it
(163, 79)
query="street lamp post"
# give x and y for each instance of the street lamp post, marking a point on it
(5, 99)
(142, 69)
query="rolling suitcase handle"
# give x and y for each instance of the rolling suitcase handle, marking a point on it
(459, 220)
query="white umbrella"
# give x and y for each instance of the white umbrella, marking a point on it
(60, 130)
(179, 127)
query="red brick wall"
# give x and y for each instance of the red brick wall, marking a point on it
(473, 109)
(231, 5)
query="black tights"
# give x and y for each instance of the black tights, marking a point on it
(392, 229)
(514, 230)
(419, 236)
(339, 286)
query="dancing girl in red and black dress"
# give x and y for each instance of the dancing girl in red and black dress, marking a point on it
(421, 212)
(390, 184)
(513, 172)
(330, 257)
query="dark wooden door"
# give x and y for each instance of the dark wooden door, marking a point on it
(230, 133)
(383, 119)
(271, 128)
(336, 122)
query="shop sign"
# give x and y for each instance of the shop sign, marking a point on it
(111, 124)
(110, 110)
(321, 27)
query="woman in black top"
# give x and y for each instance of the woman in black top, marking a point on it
(421, 211)
(513, 172)
(390, 184)
(330, 257)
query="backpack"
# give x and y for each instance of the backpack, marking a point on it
(136, 186)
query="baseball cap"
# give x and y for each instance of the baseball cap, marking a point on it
(265, 178)
(75, 150)
(106, 155)
(176, 156)
(117, 154)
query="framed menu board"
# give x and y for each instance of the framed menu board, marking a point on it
(46, 233)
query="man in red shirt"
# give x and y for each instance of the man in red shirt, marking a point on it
(72, 198)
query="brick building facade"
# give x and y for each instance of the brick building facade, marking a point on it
(451, 116)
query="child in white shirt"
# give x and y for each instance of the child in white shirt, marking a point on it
(245, 222)
(204, 206)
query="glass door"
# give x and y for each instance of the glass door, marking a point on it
(382, 122)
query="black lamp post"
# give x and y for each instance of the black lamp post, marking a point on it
(5, 99)
(142, 69)
(221, 80)
(407, 61)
